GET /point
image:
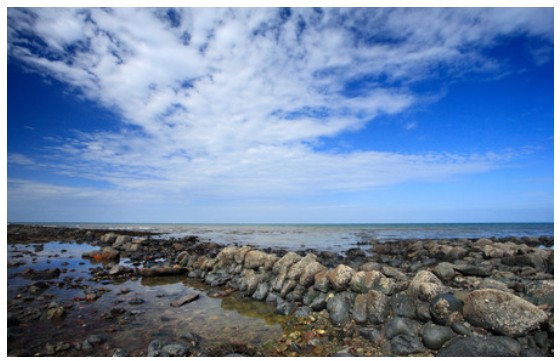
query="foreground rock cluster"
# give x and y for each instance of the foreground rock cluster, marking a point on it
(484, 297)
(450, 298)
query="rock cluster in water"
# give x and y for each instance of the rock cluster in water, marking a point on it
(451, 298)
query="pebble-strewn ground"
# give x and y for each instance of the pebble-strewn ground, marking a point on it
(483, 297)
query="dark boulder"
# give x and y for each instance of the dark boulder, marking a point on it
(475, 347)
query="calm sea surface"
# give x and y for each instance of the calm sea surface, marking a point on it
(328, 236)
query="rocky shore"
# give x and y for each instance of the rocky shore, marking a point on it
(461, 297)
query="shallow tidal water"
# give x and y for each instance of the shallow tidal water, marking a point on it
(129, 314)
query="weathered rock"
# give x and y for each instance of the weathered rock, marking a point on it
(175, 350)
(363, 281)
(403, 305)
(502, 312)
(185, 299)
(340, 276)
(261, 291)
(406, 345)
(217, 279)
(474, 270)
(533, 260)
(426, 286)
(321, 281)
(121, 240)
(119, 270)
(400, 326)
(475, 347)
(493, 284)
(444, 271)
(307, 277)
(393, 273)
(489, 251)
(108, 238)
(446, 309)
(339, 308)
(377, 307)
(372, 334)
(285, 308)
(435, 337)
(319, 303)
(250, 280)
(541, 292)
(255, 259)
(359, 311)
(240, 254)
(281, 267)
(288, 287)
(295, 270)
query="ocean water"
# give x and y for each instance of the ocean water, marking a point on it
(334, 237)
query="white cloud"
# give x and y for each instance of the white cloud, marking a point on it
(228, 102)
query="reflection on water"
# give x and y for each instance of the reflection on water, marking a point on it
(130, 313)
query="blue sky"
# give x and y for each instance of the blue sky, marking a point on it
(269, 115)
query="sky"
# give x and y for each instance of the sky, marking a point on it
(279, 115)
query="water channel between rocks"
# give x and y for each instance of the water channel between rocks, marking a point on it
(129, 314)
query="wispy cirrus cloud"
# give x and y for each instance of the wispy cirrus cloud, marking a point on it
(229, 102)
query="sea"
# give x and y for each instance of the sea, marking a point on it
(330, 237)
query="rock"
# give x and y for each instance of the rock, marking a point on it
(241, 253)
(255, 259)
(280, 268)
(490, 251)
(175, 350)
(494, 284)
(321, 281)
(434, 337)
(400, 326)
(319, 303)
(425, 285)
(154, 349)
(461, 329)
(541, 292)
(339, 308)
(472, 270)
(285, 308)
(157, 271)
(403, 305)
(108, 238)
(288, 286)
(510, 343)
(359, 311)
(444, 271)
(372, 334)
(377, 307)
(55, 313)
(121, 240)
(502, 312)
(475, 347)
(46, 274)
(393, 273)
(340, 276)
(446, 309)
(307, 277)
(96, 339)
(406, 345)
(191, 338)
(215, 279)
(295, 270)
(303, 312)
(120, 353)
(363, 281)
(119, 270)
(261, 291)
(185, 299)
(532, 260)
